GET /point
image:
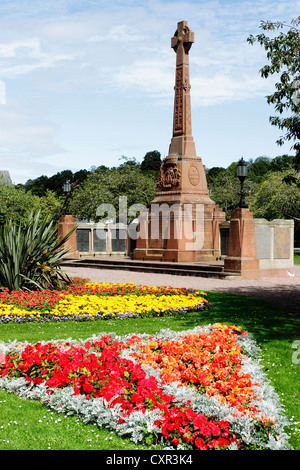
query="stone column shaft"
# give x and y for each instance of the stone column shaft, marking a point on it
(182, 141)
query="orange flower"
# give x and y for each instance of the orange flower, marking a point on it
(209, 362)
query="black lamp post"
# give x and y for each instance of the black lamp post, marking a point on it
(242, 172)
(67, 188)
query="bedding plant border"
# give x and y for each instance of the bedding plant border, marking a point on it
(89, 301)
(210, 314)
(156, 411)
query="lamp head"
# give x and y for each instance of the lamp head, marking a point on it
(67, 186)
(241, 169)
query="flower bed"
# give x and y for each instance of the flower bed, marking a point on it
(200, 389)
(84, 301)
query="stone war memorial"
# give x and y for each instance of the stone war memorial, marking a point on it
(182, 225)
(182, 222)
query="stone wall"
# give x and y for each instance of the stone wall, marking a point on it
(274, 241)
(274, 244)
(98, 239)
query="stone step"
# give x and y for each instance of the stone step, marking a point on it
(179, 269)
(165, 264)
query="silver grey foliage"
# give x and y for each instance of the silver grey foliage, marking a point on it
(97, 410)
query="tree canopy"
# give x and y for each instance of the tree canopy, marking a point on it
(106, 186)
(16, 204)
(283, 53)
(275, 190)
(152, 161)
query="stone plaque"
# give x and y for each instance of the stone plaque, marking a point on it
(281, 243)
(224, 234)
(194, 176)
(100, 240)
(83, 240)
(118, 239)
(263, 242)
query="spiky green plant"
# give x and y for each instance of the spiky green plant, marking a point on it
(31, 256)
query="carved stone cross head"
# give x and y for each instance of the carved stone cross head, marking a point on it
(182, 39)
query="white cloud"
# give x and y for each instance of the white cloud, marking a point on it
(133, 54)
(26, 140)
(10, 49)
(27, 56)
(119, 33)
(113, 50)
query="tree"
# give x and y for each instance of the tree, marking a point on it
(278, 197)
(80, 176)
(106, 186)
(224, 188)
(258, 169)
(283, 52)
(151, 161)
(56, 182)
(128, 162)
(213, 172)
(282, 162)
(16, 204)
(38, 186)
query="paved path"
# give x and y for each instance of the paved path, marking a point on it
(281, 292)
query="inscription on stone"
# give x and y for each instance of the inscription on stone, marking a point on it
(83, 240)
(194, 176)
(100, 240)
(118, 240)
(263, 242)
(181, 43)
(178, 115)
(281, 243)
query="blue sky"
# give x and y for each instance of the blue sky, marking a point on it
(85, 82)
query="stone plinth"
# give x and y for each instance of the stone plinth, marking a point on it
(182, 222)
(241, 257)
(65, 225)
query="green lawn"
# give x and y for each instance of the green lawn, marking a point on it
(296, 258)
(29, 425)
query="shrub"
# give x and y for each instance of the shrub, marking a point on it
(31, 255)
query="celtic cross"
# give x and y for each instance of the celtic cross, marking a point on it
(181, 42)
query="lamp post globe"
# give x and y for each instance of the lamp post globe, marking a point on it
(67, 186)
(242, 172)
(67, 189)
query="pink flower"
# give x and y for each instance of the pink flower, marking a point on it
(216, 431)
(2, 358)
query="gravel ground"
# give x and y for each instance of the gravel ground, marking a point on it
(281, 292)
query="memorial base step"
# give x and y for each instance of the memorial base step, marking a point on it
(210, 270)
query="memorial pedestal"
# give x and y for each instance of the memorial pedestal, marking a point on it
(241, 257)
(65, 225)
(182, 222)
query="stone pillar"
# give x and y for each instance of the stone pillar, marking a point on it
(241, 257)
(65, 225)
(182, 142)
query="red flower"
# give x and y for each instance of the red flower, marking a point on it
(205, 431)
(207, 362)
(199, 421)
(199, 443)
